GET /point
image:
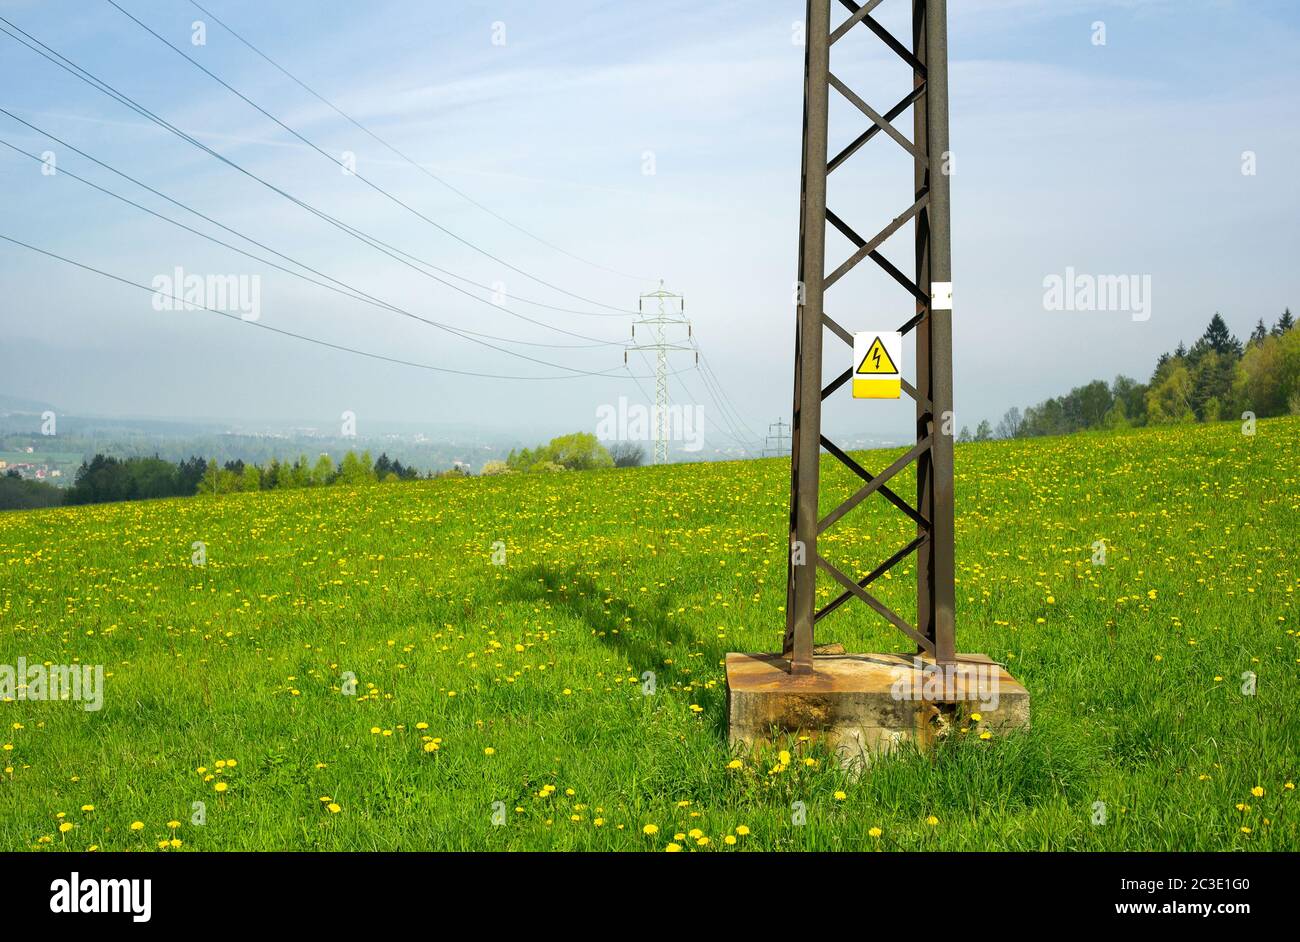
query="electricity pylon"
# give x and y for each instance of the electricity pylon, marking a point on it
(782, 436)
(929, 294)
(668, 310)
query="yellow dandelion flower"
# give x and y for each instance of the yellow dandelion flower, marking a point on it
(650, 829)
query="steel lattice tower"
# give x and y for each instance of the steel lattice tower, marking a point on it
(931, 290)
(778, 430)
(669, 311)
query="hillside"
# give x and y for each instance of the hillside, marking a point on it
(522, 683)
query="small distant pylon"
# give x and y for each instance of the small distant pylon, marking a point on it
(781, 434)
(667, 310)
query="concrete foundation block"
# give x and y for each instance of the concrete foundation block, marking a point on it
(864, 705)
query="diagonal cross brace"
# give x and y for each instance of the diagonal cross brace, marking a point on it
(878, 120)
(880, 607)
(872, 576)
(880, 239)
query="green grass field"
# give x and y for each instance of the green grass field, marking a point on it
(521, 683)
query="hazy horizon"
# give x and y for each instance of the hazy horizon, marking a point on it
(1122, 159)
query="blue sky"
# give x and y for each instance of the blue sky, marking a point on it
(1117, 159)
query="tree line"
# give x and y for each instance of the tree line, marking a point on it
(1218, 377)
(105, 479)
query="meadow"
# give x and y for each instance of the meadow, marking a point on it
(459, 664)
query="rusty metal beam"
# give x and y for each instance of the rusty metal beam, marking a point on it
(929, 293)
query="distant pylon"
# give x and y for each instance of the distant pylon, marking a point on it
(782, 434)
(669, 311)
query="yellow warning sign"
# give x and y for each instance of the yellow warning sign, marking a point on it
(877, 361)
(876, 356)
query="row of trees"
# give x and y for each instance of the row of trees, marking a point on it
(1218, 377)
(103, 478)
(106, 478)
(19, 493)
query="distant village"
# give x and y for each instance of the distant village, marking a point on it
(31, 470)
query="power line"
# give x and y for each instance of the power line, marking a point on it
(352, 172)
(83, 75)
(349, 291)
(289, 333)
(298, 336)
(638, 381)
(357, 294)
(372, 241)
(732, 434)
(747, 445)
(707, 369)
(420, 167)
